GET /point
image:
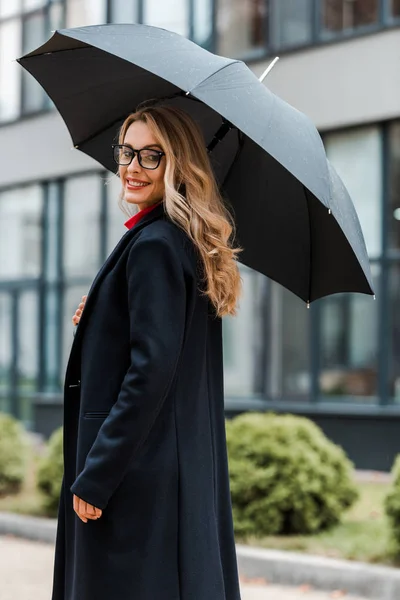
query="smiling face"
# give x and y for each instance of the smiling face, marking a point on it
(143, 187)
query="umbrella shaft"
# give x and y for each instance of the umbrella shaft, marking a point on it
(219, 136)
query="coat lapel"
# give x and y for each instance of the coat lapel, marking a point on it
(156, 213)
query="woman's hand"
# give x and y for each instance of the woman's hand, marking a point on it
(78, 313)
(86, 511)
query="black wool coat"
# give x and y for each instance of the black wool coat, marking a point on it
(144, 432)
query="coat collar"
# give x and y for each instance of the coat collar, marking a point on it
(130, 223)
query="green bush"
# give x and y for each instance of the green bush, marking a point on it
(50, 472)
(392, 506)
(13, 454)
(286, 476)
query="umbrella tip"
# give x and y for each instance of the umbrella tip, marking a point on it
(329, 211)
(268, 69)
(374, 297)
(308, 304)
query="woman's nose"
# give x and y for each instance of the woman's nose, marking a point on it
(134, 166)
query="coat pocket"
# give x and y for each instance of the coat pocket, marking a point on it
(96, 414)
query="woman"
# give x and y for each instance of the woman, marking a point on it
(145, 510)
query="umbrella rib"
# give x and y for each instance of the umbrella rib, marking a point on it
(213, 74)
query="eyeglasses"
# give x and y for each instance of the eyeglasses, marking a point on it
(147, 157)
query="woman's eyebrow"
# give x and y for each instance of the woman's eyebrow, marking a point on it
(144, 147)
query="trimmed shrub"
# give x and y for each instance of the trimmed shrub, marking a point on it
(286, 476)
(50, 472)
(392, 506)
(13, 454)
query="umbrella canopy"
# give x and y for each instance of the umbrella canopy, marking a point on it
(295, 219)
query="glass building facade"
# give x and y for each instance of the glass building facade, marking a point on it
(56, 231)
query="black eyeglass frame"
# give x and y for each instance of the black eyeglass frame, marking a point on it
(137, 152)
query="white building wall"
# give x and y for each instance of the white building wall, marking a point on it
(341, 84)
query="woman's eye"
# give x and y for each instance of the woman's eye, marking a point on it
(151, 156)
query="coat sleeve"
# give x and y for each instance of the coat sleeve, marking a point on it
(157, 307)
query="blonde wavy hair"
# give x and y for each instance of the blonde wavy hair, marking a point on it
(193, 202)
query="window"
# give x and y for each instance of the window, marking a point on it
(27, 354)
(394, 329)
(172, 15)
(9, 9)
(20, 232)
(241, 338)
(81, 13)
(292, 22)
(28, 321)
(203, 23)
(356, 155)
(29, 5)
(241, 26)
(5, 344)
(115, 217)
(393, 217)
(72, 297)
(342, 16)
(35, 34)
(124, 11)
(50, 339)
(288, 345)
(349, 345)
(82, 226)
(395, 8)
(24, 25)
(10, 75)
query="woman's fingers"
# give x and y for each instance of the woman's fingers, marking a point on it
(78, 313)
(76, 509)
(86, 510)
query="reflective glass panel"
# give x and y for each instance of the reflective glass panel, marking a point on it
(8, 8)
(51, 340)
(5, 342)
(29, 5)
(288, 345)
(394, 331)
(172, 15)
(10, 70)
(393, 216)
(28, 353)
(124, 11)
(115, 217)
(241, 26)
(395, 8)
(240, 339)
(349, 345)
(35, 34)
(81, 13)
(342, 16)
(202, 22)
(356, 155)
(72, 298)
(82, 197)
(20, 232)
(292, 22)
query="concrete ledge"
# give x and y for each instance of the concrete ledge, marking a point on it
(287, 568)
(291, 568)
(30, 528)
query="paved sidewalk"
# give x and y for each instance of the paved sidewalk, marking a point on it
(26, 573)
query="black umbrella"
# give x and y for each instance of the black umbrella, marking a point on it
(294, 217)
